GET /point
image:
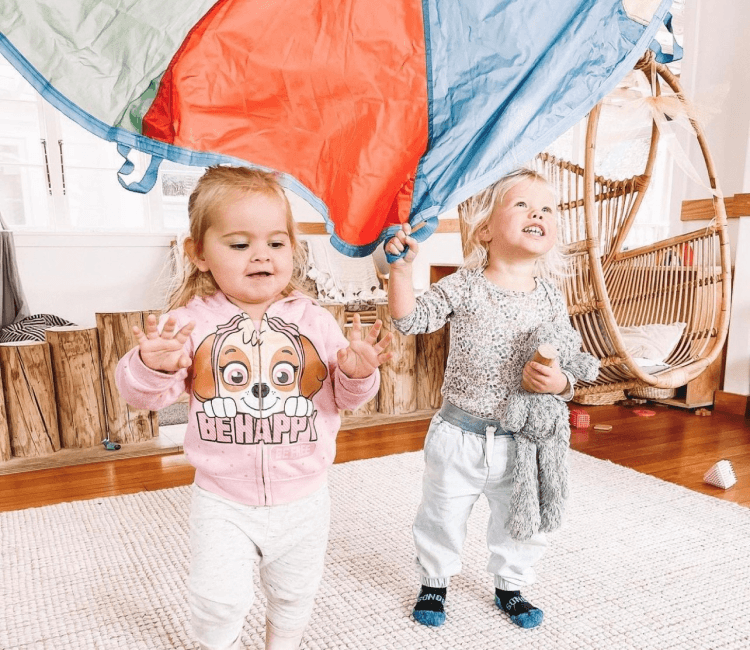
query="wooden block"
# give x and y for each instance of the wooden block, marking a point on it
(76, 368)
(432, 354)
(155, 312)
(579, 419)
(703, 209)
(398, 377)
(740, 206)
(338, 311)
(700, 391)
(26, 370)
(544, 354)
(700, 209)
(124, 422)
(732, 403)
(5, 448)
(602, 427)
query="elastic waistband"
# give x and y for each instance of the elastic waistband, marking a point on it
(468, 422)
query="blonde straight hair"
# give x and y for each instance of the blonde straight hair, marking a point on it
(476, 212)
(218, 186)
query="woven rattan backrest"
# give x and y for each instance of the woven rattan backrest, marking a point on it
(617, 201)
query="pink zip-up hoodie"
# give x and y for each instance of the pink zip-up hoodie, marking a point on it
(264, 401)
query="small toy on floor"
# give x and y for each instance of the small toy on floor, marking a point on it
(109, 445)
(579, 419)
(602, 427)
(703, 412)
(632, 401)
(645, 413)
(721, 475)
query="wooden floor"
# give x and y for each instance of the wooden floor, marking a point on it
(674, 445)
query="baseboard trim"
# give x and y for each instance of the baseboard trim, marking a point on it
(732, 403)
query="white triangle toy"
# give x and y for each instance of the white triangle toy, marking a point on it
(721, 475)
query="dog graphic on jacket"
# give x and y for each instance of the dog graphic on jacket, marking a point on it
(259, 372)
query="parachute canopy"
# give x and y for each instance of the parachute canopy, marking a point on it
(376, 113)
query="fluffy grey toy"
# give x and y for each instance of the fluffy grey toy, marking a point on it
(541, 426)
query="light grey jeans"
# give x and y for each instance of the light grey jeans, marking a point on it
(289, 541)
(460, 466)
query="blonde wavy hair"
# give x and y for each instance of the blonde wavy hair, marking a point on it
(218, 186)
(476, 212)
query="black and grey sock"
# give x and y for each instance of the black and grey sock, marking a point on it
(430, 607)
(520, 610)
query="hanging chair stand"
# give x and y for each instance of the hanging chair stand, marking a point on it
(683, 279)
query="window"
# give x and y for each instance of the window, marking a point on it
(622, 146)
(57, 177)
(23, 181)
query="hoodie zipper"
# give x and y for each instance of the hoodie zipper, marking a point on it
(263, 453)
(262, 445)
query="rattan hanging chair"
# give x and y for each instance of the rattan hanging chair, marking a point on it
(683, 279)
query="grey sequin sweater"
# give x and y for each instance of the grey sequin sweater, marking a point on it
(488, 328)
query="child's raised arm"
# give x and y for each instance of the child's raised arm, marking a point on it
(400, 281)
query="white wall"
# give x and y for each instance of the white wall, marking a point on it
(737, 376)
(75, 276)
(717, 48)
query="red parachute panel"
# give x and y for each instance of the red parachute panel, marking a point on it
(335, 97)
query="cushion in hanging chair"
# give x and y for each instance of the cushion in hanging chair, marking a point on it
(651, 344)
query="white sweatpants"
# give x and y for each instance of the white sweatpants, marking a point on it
(227, 538)
(459, 467)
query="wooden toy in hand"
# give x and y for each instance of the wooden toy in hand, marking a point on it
(544, 354)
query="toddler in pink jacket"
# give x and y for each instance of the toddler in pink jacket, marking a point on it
(267, 370)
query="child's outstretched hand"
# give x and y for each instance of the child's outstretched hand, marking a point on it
(397, 243)
(363, 356)
(163, 350)
(538, 378)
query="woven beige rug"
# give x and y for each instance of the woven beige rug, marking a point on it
(639, 564)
